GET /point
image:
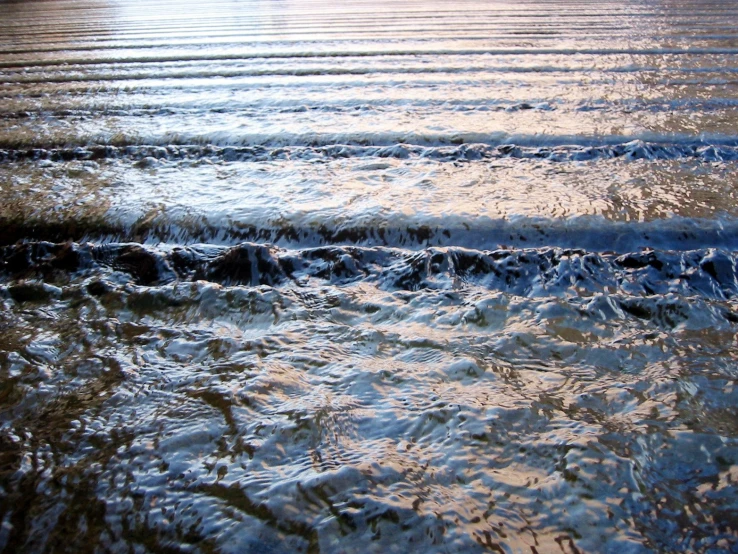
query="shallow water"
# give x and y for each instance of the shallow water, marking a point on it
(378, 277)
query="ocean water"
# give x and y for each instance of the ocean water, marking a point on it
(368, 277)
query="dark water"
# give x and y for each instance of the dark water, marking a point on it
(369, 277)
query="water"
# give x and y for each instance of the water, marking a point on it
(377, 277)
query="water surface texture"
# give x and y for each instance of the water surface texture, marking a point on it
(368, 277)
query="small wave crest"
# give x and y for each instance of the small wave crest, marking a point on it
(708, 273)
(587, 149)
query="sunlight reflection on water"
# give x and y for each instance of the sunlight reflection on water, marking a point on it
(368, 277)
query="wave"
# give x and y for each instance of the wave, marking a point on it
(542, 147)
(227, 39)
(267, 54)
(116, 73)
(246, 107)
(592, 232)
(706, 273)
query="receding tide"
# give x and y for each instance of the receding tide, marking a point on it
(368, 277)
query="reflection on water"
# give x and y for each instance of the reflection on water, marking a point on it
(376, 277)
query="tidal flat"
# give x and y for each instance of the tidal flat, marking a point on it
(368, 277)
